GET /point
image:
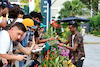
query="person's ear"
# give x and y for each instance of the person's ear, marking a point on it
(12, 29)
(75, 28)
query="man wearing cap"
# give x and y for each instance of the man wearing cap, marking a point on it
(4, 5)
(76, 47)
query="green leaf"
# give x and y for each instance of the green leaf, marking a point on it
(57, 59)
(60, 65)
(52, 62)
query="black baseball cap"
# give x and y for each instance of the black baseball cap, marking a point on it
(6, 3)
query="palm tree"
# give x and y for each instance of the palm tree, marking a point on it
(72, 8)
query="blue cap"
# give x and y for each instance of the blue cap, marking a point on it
(33, 27)
(6, 3)
(42, 25)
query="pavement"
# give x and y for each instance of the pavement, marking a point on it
(92, 51)
(90, 39)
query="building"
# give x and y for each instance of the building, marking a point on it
(56, 7)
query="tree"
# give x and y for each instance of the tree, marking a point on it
(72, 8)
(94, 4)
(37, 4)
(25, 1)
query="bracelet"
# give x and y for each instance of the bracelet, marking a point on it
(64, 45)
(4, 15)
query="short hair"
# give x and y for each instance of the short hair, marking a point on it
(40, 16)
(21, 12)
(13, 13)
(20, 26)
(73, 23)
(34, 14)
(27, 16)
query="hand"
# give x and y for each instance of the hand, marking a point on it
(12, 63)
(21, 57)
(41, 44)
(36, 47)
(61, 44)
(51, 38)
(5, 11)
(5, 62)
(57, 38)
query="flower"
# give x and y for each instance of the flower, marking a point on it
(52, 48)
(55, 49)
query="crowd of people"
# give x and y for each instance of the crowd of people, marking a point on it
(21, 33)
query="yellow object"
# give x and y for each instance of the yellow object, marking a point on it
(28, 22)
(67, 29)
(83, 31)
(64, 45)
(2, 16)
(70, 64)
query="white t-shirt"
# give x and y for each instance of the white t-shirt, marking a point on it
(19, 20)
(0, 20)
(73, 40)
(0, 27)
(10, 20)
(6, 44)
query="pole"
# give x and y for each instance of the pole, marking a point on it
(91, 8)
(47, 16)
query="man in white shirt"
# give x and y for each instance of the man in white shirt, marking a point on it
(6, 41)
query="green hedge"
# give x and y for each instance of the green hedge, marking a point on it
(95, 25)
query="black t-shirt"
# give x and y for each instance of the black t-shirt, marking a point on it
(36, 33)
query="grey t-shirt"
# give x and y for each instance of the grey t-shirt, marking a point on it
(18, 46)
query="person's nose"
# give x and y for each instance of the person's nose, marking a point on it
(19, 36)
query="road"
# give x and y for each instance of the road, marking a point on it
(92, 51)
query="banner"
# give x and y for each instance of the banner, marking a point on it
(31, 5)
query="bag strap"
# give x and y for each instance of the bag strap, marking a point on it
(13, 22)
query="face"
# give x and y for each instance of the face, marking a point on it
(42, 29)
(5, 10)
(37, 19)
(71, 28)
(16, 33)
(20, 16)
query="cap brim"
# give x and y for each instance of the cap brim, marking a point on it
(10, 6)
(33, 27)
(42, 25)
(6, 3)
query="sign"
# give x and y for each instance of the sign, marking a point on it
(45, 10)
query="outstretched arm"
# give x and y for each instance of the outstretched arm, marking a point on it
(25, 51)
(67, 41)
(13, 57)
